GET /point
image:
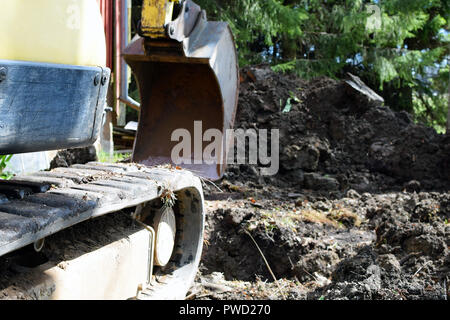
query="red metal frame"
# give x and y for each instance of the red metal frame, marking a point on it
(106, 8)
(115, 16)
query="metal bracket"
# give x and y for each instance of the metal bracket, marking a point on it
(151, 252)
(182, 26)
(157, 15)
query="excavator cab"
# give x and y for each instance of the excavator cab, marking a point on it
(187, 73)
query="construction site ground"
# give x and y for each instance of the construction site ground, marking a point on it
(359, 209)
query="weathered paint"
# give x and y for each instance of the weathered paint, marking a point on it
(50, 106)
(55, 31)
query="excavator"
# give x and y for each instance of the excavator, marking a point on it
(53, 87)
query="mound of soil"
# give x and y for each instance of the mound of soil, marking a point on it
(358, 210)
(339, 132)
(69, 157)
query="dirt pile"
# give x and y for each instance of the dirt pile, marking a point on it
(359, 208)
(348, 139)
(66, 158)
(409, 258)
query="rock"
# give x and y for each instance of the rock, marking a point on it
(361, 184)
(66, 158)
(318, 182)
(321, 280)
(308, 158)
(364, 93)
(300, 201)
(234, 217)
(373, 282)
(305, 154)
(317, 262)
(426, 244)
(425, 210)
(412, 186)
(218, 288)
(259, 74)
(322, 206)
(300, 157)
(294, 195)
(389, 262)
(352, 194)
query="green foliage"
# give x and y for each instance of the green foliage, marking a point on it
(288, 105)
(116, 157)
(3, 163)
(258, 26)
(401, 50)
(285, 67)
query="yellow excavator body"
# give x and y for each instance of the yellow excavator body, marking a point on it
(55, 31)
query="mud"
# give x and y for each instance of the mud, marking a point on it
(359, 208)
(66, 158)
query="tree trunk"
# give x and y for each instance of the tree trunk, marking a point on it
(289, 48)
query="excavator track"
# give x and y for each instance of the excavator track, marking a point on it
(36, 206)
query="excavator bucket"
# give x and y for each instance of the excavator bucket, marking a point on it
(188, 77)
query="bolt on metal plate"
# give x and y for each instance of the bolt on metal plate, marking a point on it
(97, 79)
(2, 74)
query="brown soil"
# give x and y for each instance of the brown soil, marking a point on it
(358, 210)
(66, 158)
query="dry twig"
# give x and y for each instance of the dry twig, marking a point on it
(267, 264)
(421, 268)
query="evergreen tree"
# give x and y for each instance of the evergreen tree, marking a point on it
(398, 47)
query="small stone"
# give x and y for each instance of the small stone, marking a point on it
(322, 206)
(300, 201)
(234, 217)
(321, 280)
(318, 182)
(353, 194)
(389, 263)
(412, 186)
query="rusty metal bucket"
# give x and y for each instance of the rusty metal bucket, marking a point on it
(181, 82)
